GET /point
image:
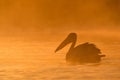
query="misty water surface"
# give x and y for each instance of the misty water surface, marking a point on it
(36, 60)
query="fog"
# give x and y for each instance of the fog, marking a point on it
(35, 18)
(30, 29)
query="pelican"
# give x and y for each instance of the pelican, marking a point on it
(83, 53)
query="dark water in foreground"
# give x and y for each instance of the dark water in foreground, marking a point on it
(37, 61)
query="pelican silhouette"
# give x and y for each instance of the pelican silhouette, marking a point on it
(83, 53)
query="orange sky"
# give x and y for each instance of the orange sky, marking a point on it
(53, 15)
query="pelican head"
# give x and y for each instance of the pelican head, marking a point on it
(71, 38)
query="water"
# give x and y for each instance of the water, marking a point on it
(37, 61)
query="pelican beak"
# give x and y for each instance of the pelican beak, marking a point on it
(71, 38)
(63, 44)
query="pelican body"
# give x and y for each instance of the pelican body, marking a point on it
(83, 53)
